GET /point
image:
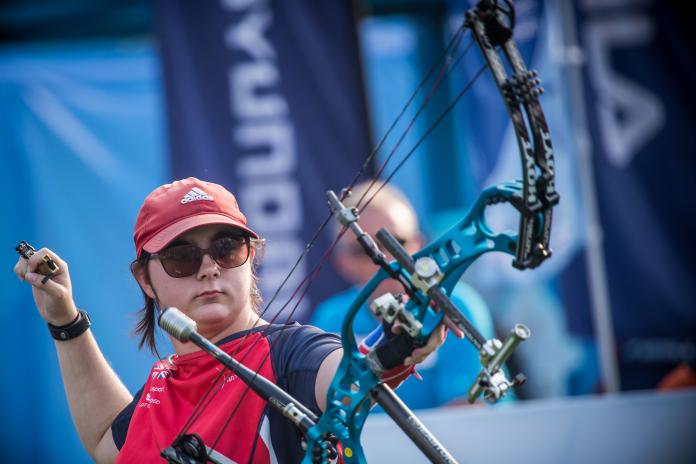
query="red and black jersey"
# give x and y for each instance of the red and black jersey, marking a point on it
(289, 356)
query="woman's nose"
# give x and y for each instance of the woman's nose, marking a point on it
(208, 267)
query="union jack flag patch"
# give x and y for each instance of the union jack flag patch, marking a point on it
(161, 371)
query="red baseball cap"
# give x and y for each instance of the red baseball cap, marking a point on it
(172, 209)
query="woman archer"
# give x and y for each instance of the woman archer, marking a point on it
(194, 251)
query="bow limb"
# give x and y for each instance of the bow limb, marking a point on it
(520, 92)
(543, 148)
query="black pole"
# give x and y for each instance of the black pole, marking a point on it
(411, 425)
(183, 329)
(269, 391)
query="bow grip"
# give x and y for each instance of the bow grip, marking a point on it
(392, 353)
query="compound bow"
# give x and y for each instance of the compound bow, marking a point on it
(428, 277)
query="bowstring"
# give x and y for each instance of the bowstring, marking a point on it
(314, 274)
(453, 43)
(444, 72)
(425, 135)
(198, 409)
(311, 277)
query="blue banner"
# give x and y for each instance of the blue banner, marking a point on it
(640, 97)
(266, 98)
(81, 135)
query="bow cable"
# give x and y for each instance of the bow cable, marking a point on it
(311, 277)
(307, 281)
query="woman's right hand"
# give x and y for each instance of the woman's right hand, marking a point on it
(54, 298)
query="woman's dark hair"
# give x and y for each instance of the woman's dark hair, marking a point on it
(148, 314)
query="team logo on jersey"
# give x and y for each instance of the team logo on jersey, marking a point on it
(148, 401)
(160, 375)
(226, 378)
(161, 371)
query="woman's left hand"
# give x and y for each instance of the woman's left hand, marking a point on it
(436, 339)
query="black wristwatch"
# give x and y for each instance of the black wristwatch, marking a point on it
(72, 330)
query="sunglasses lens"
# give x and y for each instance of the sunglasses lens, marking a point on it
(185, 260)
(230, 252)
(182, 260)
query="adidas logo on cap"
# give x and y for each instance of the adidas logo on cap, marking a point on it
(195, 194)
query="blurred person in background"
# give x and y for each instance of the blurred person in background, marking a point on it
(447, 374)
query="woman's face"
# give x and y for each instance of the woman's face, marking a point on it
(218, 299)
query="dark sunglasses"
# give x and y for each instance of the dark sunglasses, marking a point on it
(185, 260)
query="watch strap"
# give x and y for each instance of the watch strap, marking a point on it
(72, 330)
